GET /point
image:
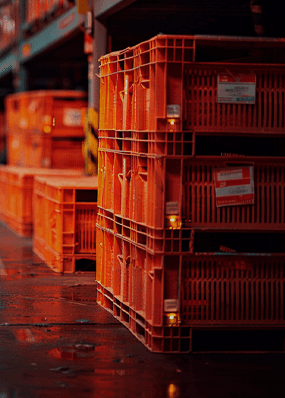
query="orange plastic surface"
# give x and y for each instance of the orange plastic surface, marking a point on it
(2, 132)
(44, 128)
(176, 78)
(38, 10)
(58, 109)
(205, 291)
(9, 24)
(140, 188)
(65, 220)
(16, 195)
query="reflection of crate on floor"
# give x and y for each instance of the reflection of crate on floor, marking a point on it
(65, 221)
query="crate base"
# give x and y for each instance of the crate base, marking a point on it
(240, 338)
(24, 230)
(163, 339)
(58, 262)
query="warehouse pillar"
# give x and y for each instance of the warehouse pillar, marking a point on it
(95, 46)
(20, 72)
(99, 49)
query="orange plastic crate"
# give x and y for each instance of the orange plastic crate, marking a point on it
(2, 132)
(33, 150)
(32, 11)
(149, 190)
(65, 213)
(50, 112)
(171, 83)
(161, 298)
(9, 23)
(52, 7)
(45, 151)
(45, 129)
(16, 195)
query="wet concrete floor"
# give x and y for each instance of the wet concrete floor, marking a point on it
(56, 341)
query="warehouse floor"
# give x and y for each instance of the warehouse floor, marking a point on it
(57, 341)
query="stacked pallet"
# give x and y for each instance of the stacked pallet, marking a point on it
(191, 169)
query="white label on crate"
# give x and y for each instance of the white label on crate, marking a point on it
(236, 89)
(234, 186)
(171, 305)
(173, 110)
(46, 162)
(15, 143)
(23, 123)
(172, 208)
(229, 175)
(72, 117)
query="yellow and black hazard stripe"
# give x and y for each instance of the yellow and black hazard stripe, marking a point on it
(90, 145)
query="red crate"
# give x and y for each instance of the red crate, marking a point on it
(34, 150)
(39, 10)
(236, 290)
(44, 151)
(199, 208)
(32, 11)
(161, 298)
(16, 207)
(16, 195)
(171, 82)
(56, 113)
(45, 129)
(9, 24)
(2, 132)
(150, 190)
(203, 112)
(65, 212)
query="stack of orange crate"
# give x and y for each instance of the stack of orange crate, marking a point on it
(44, 128)
(44, 139)
(191, 210)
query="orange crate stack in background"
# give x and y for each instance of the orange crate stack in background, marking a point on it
(16, 195)
(45, 128)
(40, 10)
(32, 11)
(65, 213)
